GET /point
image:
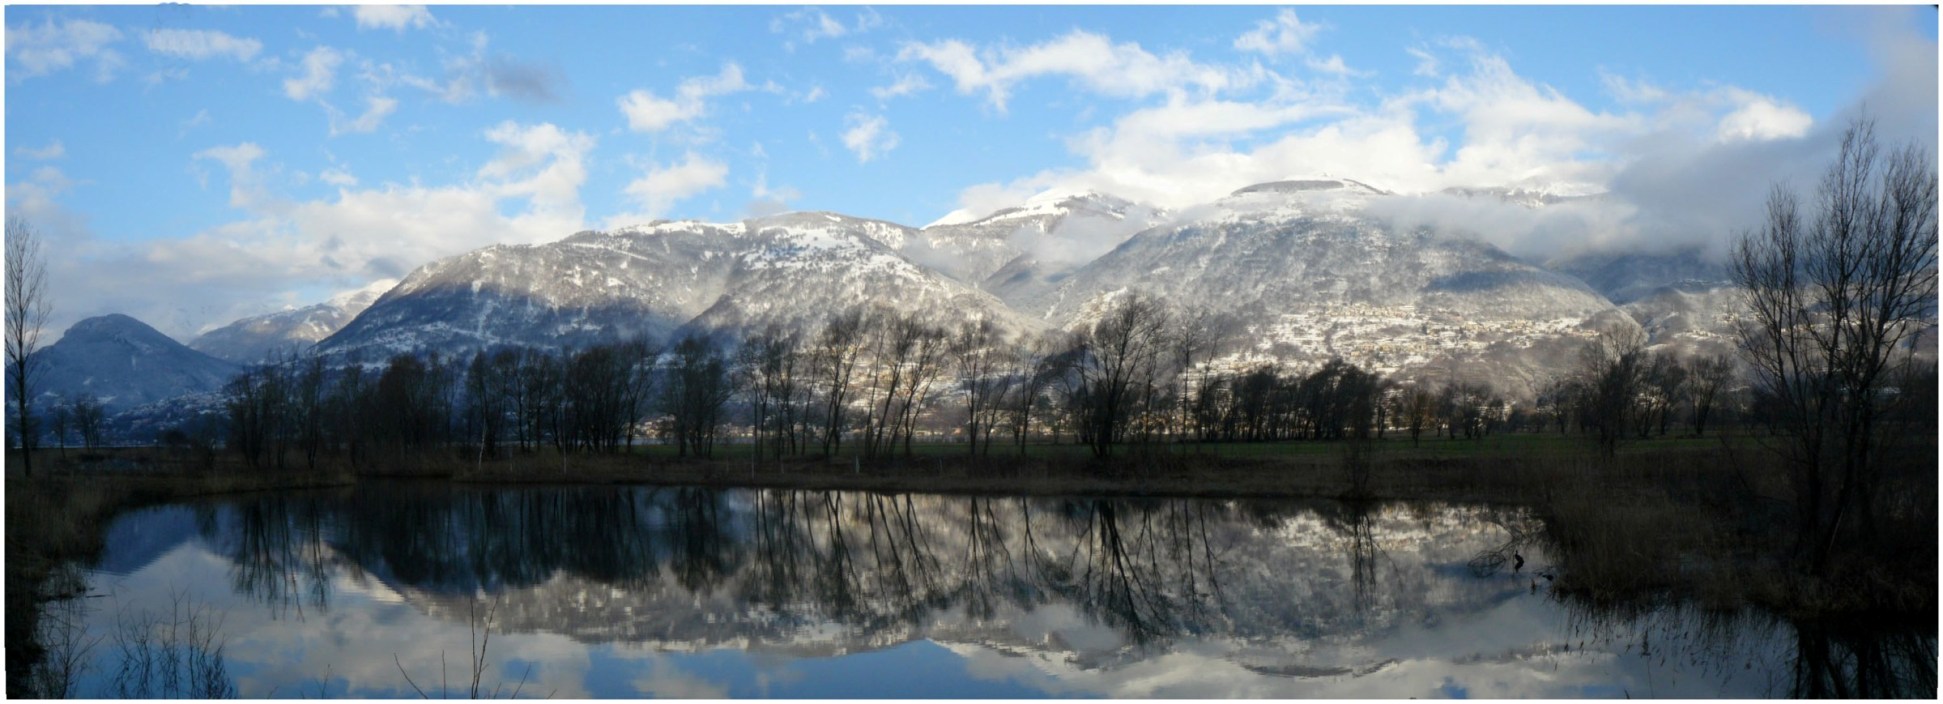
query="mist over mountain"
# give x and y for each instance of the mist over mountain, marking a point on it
(1310, 274)
(1048, 234)
(256, 338)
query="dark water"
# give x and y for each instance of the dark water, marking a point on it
(683, 592)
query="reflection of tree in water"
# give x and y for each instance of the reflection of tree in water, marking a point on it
(1144, 568)
(277, 556)
(703, 551)
(1795, 659)
(706, 565)
(1355, 523)
(1847, 662)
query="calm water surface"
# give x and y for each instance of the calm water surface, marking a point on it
(685, 592)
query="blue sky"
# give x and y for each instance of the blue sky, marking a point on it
(190, 165)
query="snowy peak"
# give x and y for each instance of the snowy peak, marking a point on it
(1313, 185)
(356, 300)
(1056, 205)
(658, 280)
(825, 224)
(253, 339)
(1530, 193)
(1056, 229)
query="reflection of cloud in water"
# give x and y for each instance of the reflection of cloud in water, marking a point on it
(691, 593)
(665, 681)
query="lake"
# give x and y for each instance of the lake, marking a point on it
(392, 589)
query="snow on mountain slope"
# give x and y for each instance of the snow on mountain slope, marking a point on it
(1311, 277)
(255, 338)
(655, 280)
(1048, 234)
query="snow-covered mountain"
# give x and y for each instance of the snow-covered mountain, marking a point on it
(253, 339)
(1312, 276)
(1680, 298)
(1624, 277)
(657, 280)
(1310, 268)
(125, 363)
(1049, 234)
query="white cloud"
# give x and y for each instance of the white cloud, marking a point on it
(810, 25)
(54, 150)
(1760, 117)
(201, 44)
(529, 193)
(319, 76)
(393, 17)
(542, 163)
(337, 177)
(49, 47)
(1332, 65)
(764, 200)
(200, 119)
(377, 108)
(1117, 70)
(1631, 90)
(816, 93)
(239, 160)
(647, 112)
(907, 84)
(664, 186)
(869, 136)
(1426, 62)
(1285, 34)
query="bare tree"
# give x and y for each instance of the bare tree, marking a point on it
(1834, 295)
(1419, 411)
(1117, 371)
(88, 418)
(976, 353)
(27, 311)
(60, 419)
(1709, 375)
(1612, 371)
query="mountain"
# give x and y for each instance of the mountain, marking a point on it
(1311, 276)
(253, 339)
(659, 280)
(1050, 233)
(126, 363)
(1685, 302)
(1625, 277)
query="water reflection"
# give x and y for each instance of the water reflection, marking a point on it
(1127, 597)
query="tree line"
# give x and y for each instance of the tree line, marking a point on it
(869, 381)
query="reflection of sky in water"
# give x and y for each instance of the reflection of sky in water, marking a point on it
(1423, 626)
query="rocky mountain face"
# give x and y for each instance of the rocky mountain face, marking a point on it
(254, 339)
(125, 363)
(659, 280)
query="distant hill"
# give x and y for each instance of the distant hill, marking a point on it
(125, 363)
